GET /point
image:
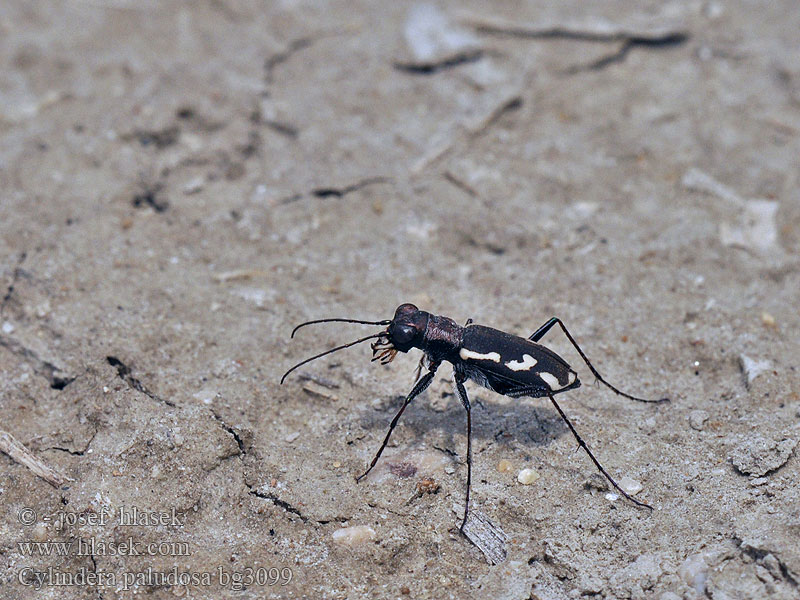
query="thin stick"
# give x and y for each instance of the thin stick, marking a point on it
(19, 453)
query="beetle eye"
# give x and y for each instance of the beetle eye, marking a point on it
(403, 334)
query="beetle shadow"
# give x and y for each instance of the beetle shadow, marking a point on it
(525, 420)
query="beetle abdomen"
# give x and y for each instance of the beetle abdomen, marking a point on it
(513, 366)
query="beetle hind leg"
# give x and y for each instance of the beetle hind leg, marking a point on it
(540, 333)
(594, 460)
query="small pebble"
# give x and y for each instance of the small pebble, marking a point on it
(292, 437)
(427, 485)
(205, 396)
(697, 419)
(758, 456)
(40, 532)
(694, 572)
(353, 536)
(193, 185)
(767, 319)
(8, 327)
(504, 466)
(752, 368)
(527, 476)
(631, 486)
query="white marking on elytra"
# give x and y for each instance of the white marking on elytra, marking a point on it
(522, 365)
(570, 378)
(466, 354)
(549, 379)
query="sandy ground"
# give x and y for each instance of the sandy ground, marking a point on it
(182, 184)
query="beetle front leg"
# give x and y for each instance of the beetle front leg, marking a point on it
(461, 392)
(418, 388)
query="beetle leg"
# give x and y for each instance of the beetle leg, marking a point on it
(418, 388)
(539, 334)
(461, 392)
(594, 460)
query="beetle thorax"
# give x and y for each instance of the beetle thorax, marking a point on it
(443, 337)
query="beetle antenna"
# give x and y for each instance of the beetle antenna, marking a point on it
(385, 322)
(321, 354)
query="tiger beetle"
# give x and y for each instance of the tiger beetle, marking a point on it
(502, 362)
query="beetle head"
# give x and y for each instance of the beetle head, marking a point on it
(407, 328)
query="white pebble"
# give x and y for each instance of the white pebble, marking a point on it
(193, 185)
(527, 476)
(40, 532)
(694, 572)
(206, 396)
(429, 33)
(631, 486)
(292, 437)
(753, 368)
(697, 419)
(353, 536)
(8, 327)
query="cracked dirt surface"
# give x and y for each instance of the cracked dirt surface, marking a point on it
(183, 184)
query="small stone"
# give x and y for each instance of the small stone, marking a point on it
(631, 486)
(430, 34)
(156, 472)
(337, 464)
(206, 396)
(193, 185)
(697, 419)
(767, 319)
(8, 327)
(40, 532)
(760, 456)
(694, 572)
(292, 437)
(354, 536)
(527, 476)
(504, 466)
(427, 485)
(752, 368)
